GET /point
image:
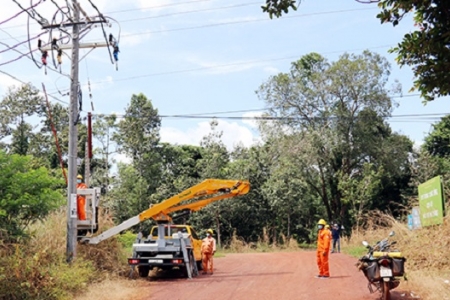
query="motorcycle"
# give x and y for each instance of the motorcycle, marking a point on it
(382, 266)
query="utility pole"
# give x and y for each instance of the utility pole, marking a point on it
(76, 23)
(72, 217)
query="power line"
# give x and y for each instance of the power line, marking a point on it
(230, 65)
(157, 6)
(245, 21)
(126, 10)
(23, 82)
(191, 11)
(418, 117)
(242, 22)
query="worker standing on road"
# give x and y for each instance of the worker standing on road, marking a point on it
(81, 200)
(208, 250)
(336, 235)
(323, 249)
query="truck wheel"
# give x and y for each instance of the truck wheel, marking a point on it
(143, 271)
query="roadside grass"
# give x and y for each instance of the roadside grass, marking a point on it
(426, 250)
(37, 268)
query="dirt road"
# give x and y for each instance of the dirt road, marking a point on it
(267, 276)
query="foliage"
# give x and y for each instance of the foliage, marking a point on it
(18, 104)
(36, 268)
(332, 116)
(27, 194)
(130, 195)
(427, 48)
(41, 275)
(437, 143)
(278, 7)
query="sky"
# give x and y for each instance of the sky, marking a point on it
(207, 57)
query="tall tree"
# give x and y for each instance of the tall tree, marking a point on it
(137, 137)
(329, 109)
(214, 162)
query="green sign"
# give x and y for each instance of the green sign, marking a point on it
(431, 202)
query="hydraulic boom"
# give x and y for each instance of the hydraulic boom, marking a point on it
(202, 194)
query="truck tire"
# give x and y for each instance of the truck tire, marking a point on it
(143, 271)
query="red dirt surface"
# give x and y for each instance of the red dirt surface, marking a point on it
(267, 276)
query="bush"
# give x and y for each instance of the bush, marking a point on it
(41, 275)
(36, 268)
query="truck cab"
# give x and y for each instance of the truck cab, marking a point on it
(171, 231)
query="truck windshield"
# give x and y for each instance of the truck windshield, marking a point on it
(168, 231)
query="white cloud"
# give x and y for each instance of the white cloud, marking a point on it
(6, 82)
(218, 67)
(122, 158)
(253, 114)
(271, 70)
(233, 134)
(417, 145)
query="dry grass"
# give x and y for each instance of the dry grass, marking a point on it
(238, 244)
(114, 289)
(426, 250)
(37, 268)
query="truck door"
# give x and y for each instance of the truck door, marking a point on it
(197, 245)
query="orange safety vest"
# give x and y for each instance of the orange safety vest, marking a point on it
(208, 245)
(323, 240)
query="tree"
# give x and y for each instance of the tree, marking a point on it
(332, 117)
(20, 103)
(138, 136)
(214, 162)
(426, 49)
(27, 194)
(437, 143)
(103, 130)
(278, 7)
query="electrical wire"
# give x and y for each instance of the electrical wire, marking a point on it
(434, 116)
(242, 22)
(26, 10)
(191, 11)
(21, 43)
(231, 64)
(61, 10)
(23, 82)
(157, 6)
(126, 10)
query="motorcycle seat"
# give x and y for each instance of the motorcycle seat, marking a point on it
(389, 254)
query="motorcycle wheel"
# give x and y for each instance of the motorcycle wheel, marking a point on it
(386, 295)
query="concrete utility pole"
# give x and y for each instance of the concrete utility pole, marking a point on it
(72, 215)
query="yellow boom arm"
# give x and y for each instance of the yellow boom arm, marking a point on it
(217, 189)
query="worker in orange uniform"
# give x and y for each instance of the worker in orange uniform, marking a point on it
(208, 250)
(81, 200)
(323, 249)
